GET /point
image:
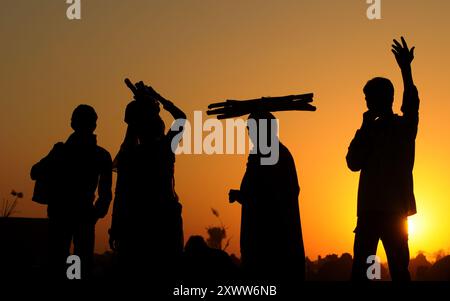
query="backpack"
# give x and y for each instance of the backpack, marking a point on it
(44, 175)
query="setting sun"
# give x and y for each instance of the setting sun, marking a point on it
(412, 226)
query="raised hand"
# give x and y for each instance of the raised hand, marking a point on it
(402, 53)
(141, 92)
(156, 96)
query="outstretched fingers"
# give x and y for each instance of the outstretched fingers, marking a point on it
(397, 48)
(397, 44)
(402, 53)
(402, 46)
(405, 45)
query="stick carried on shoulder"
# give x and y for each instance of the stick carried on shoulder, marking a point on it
(235, 108)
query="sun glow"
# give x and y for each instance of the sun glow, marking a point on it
(412, 226)
(416, 227)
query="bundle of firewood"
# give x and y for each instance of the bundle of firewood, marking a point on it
(236, 108)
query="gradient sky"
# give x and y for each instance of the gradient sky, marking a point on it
(196, 52)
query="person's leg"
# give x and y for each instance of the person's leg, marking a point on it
(365, 245)
(395, 242)
(169, 240)
(84, 242)
(60, 237)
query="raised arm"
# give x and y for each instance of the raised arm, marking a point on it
(167, 104)
(404, 57)
(176, 130)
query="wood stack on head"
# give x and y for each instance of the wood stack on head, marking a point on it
(237, 108)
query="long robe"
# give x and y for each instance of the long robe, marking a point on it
(271, 234)
(147, 214)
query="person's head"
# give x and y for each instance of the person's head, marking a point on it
(263, 122)
(144, 120)
(263, 132)
(379, 94)
(196, 244)
(84, 119)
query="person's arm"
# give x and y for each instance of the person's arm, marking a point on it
(359, 148)
(177, 128)
(116, 222)
(104, 188)
(355, 154)
(404, 57)
(175, 134)
(167, 104)
(170, 107)
(118, 210)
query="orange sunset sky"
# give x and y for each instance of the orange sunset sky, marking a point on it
(195, 52)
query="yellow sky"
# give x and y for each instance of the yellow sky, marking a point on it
(196, 52)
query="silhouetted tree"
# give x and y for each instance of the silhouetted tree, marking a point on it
(9, 206)
(216, 234)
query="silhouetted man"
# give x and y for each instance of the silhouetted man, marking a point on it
(147, 229)
(73, 171)
(383, 150)
(271, 234)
